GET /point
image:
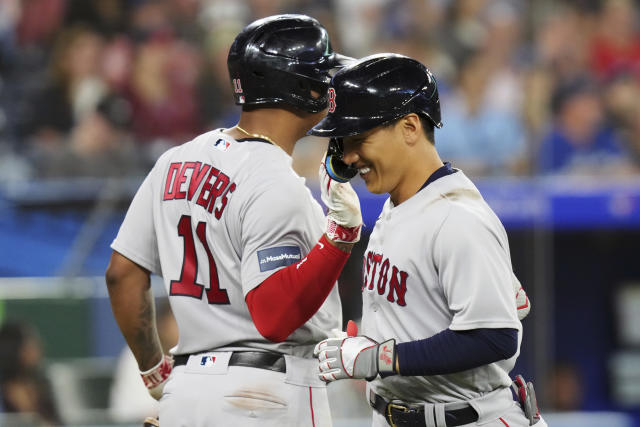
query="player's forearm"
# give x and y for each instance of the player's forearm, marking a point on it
(455, 351)
(135, 317)
(291, 296)
(133, 308)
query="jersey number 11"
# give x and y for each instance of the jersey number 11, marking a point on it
(187, 285)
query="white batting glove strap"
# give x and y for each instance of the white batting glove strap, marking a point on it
(155, 378)
(387, 358)
(353, 357)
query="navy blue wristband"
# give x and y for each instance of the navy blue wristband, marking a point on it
(455, 351)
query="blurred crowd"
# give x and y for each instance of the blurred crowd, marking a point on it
(102, 87)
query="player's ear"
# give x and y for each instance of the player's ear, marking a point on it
(411, 128)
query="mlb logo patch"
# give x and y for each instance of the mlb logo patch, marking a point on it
(207, 361)
(281, 256)
(222, 145)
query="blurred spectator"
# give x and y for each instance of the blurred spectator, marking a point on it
(221, 13)
(410, 18)
(162, 90)
(579, 142)
(621, 97)
(478, 137)
(130, 400)
(537, 87)
(497, 63)
(566, 388)
(630, 122)
(502, 47)
(99, 145)
(148, 17)
(616, 46)
(184, 20)
(24, 389)
(74, 85)
(40, 21)
(358, 21)
(262, 8)
(117, 62)
(465, 32)
(215, 96)
(108, 17)
(10, 11)
(561, 41)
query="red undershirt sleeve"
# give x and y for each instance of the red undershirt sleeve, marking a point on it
(290, 296)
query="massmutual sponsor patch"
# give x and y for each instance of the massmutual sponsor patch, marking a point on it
(278, 257)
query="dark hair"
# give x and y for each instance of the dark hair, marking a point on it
(428, 128)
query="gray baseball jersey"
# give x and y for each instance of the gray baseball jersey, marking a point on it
(439, 260)
(215, 217)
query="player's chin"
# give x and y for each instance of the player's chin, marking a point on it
(373, 186)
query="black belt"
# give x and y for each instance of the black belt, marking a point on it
(252, 359)
(400, 415)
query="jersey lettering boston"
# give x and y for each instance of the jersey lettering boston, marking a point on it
(184, 178)
(396, 278)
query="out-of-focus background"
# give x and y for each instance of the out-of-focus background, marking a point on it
(540, 104)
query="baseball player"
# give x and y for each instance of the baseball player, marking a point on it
(248, 258)
(440, 330)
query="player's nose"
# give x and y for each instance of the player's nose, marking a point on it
(349, 156)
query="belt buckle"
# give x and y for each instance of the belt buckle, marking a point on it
(391, 406)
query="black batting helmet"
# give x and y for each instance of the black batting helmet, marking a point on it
(280, 59)
(378, 89)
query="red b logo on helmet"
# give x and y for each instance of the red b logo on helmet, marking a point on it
(332, 100)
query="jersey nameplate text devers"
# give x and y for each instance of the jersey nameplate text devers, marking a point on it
(185, 178)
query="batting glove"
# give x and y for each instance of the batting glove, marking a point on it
(344, 220)
(522, 301)
(355, 357)
(155, 378)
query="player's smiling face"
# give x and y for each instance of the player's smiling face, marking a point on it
(378, 156)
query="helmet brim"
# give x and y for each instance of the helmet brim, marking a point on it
(341, 127)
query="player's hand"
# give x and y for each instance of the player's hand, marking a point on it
(337, 169)
(522, 301)
(355, 357)
(344, 220)
(155, 378)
